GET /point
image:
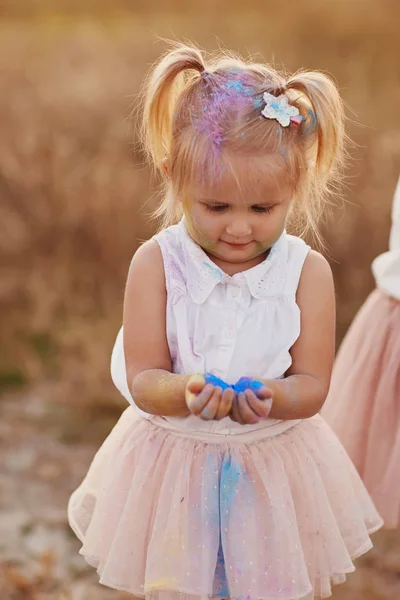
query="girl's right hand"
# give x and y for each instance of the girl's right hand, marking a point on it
(208, 402)
(251, 406)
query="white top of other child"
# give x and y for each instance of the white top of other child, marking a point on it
(386, 267)
(231, 326)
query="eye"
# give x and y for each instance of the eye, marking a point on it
(216, 207)
(261, 209)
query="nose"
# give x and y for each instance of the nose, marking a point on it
(238, 228)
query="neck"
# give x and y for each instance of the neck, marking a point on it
(234, 268)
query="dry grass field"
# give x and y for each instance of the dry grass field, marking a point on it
(75, 199)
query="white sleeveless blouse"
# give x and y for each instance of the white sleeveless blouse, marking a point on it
(386, 267)
(231, 326)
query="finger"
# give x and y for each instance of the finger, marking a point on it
(197, 402)
(260, 407)
(264, 393)
(225, 404)
(211, 408)
(246, 412)
(235, 414)
(196, 383)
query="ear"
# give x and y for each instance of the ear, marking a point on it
(165, 165)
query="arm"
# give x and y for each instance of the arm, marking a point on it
(148, 362)
(303, 392)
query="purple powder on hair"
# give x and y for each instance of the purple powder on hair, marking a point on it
(230, 96)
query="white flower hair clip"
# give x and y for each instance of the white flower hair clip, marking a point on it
(278, 107)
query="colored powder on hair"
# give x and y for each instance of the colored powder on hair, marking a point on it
(310, 123)
(258, 102)
(233, 95)
(238, 87)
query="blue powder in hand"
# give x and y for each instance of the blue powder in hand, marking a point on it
(247, 383)
(244, 383)
(216, 381)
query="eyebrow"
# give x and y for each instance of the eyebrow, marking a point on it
(216, 202)
(210, 200)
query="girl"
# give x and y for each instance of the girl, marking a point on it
(227, 483)
(364, 401)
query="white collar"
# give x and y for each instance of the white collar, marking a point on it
(202, 274)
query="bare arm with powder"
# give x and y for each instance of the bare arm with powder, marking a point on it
(148, 362)
(303, 391)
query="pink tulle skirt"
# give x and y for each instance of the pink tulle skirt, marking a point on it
(171, 514)
(363, 405)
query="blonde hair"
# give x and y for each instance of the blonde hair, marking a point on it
(196, 113)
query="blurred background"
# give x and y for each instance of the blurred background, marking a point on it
(75, 199)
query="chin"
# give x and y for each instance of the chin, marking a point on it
(238, 256)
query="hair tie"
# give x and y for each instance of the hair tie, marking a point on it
(282, 88)
(206, 76)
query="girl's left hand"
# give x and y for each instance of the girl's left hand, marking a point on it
(250, 407)
(207, 401)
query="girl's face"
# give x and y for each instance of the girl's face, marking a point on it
(238, 220)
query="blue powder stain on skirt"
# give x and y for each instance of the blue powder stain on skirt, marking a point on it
(220, 585)
(230, 475)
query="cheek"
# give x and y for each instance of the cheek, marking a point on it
(201, 229)
(271, 231)
(193, 222)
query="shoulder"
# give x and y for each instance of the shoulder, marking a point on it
(148, 254)
(147, 264)
(316, 278)
(316, 267)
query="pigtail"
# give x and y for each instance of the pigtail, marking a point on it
(160, 95)
(323, 136)
(328, 117)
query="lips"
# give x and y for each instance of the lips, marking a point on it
(235, 245)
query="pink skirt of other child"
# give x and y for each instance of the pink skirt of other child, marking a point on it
(168, 513)
(363, 406)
